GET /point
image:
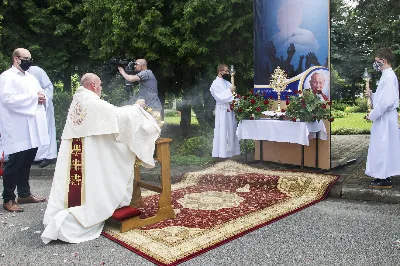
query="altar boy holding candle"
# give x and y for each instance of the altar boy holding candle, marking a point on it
(225, 143)
(382, 160)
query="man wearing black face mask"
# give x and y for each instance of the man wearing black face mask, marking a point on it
(148, 90)
(225, 143)
(382, 162)
(23, 128)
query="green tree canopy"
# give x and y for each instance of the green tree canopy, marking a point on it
(357, 31)
(49, 29)
(183, 41)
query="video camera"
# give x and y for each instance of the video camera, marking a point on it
(128, 66)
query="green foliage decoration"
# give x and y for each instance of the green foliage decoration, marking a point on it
(249, 106)
(307, 107)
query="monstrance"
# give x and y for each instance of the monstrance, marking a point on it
(278, 83)
(233, 72)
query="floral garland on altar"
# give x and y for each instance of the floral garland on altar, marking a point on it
(307, 107)
(250, 106)
(304, 106)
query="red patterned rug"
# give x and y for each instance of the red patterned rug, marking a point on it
(217, 205)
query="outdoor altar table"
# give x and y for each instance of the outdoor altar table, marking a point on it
(282, 131)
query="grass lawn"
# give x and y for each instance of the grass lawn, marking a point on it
(176, 120)
(351, 122)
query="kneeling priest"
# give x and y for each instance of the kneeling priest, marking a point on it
(95, 166)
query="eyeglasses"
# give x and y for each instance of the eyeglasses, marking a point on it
(137, 64)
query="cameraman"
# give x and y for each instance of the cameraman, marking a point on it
(147, 84)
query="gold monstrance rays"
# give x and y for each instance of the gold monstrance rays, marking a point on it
(278, 83)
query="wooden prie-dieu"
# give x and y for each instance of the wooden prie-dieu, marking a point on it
(165, 209)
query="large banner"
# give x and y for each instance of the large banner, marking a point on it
(294, 35)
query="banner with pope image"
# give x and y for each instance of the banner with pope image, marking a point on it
(294, 35)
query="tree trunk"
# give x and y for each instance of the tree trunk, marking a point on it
(186, 115)
(67, 79)
(161, 95)
(209, 107)
(353, 92)
(203, 106)
(198, 108)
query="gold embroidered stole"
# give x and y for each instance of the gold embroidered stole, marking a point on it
(75, 195)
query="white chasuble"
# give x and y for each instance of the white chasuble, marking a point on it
(225, 142)
(382, 160)
(95, 170)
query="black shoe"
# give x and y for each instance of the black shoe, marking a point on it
(44, 163)
(375, 181)
(381, 183)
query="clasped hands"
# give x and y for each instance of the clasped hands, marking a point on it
(41, 98)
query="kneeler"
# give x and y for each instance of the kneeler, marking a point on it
(129, 216)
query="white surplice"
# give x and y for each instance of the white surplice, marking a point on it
(225, 143)
(46, 151)
(112, 138)
(382, 160)
(23, 120)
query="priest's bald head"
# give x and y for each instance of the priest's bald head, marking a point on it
(92, 82)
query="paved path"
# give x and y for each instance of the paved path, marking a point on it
(347, 147)
(353, 183)
(332, 232)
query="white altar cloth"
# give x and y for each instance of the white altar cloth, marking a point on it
(281, 130)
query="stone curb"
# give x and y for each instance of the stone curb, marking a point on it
(353, 187)
(359, 191)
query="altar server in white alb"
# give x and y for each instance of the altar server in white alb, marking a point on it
(23, 128)
(225, 143)
(95, 165)
(47, 153)
(384, 146)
